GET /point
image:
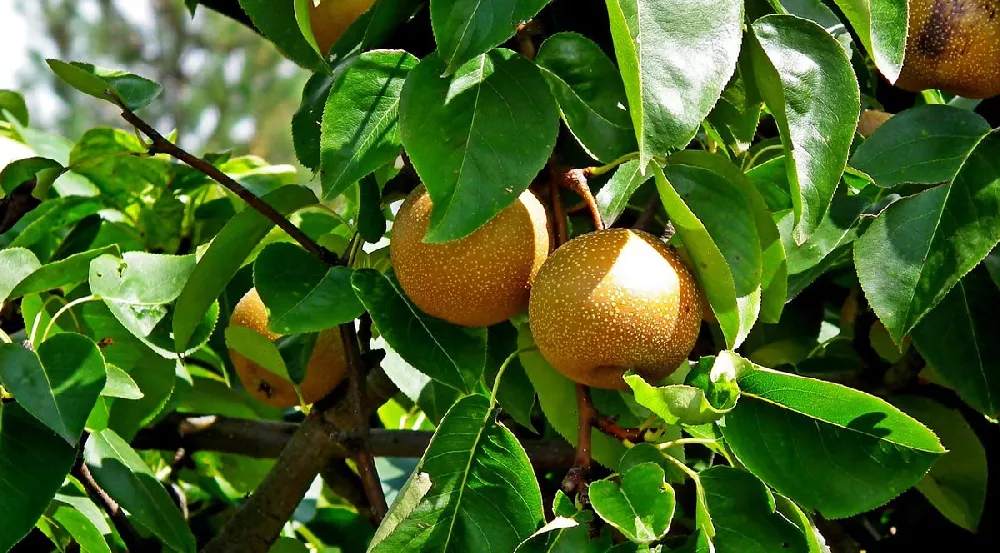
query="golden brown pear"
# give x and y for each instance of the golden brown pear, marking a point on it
(479, 280)
(953, 45)
(871, 120)
(325, 370)
(331, 18)
(615, 300)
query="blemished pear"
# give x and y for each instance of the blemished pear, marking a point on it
(331, 18)
(325, 370)
(614, 300)
(476, 281)
(953, 45)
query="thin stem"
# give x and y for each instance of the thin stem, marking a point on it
(5, 338)
(686, 469)
(602, 169)
(685, 441)
(576, 180)
(363, 456)
(63, 309)
(161, 145)
(587, 412)
(611, 428)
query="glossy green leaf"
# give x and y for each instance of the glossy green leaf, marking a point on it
(958, 338)
(465, 29)
(675, 57)
(743, 513)
(433, 398)
(562, 535)
(360, 130)
(132, 91)
(371, 219)
(919, 247)
(54, 215)
(448, 353)
(956, 485)
(860, 451)
(738, 111)
(16, 264)
(276, 21)
(59, 385)
(225, 256)
(33, 463)
(303, 294)
(476, 490)
(613, 197)
(557, 398)
(374, 27)
(808, 84)
(838, 228)
(590, 93)
(13, 102)
(640, 505)
(65, 272)
(881, 26)
(459, 133)
(20, 171)
(706, 401)
(926, 144)
(713, 219)
(120, 471)
(120, 384)
(307, 123)
(774, 270)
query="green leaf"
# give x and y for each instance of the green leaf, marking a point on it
(120, 471)
(640, 505)
(958, 338)
(303, 294)
(433, 398)
(54, 215)
(712, 218)
(374, 27)
(956, 484)
(614, 195)
(743, 513)
(360, 130)
(459, 133)
(276, 21)
(307, 121)
(838, 228)
(926, 144)
(132, 91)
(590, 93)
(920, 246)
(465, 29)
(16, 264)
(738, 111)
(225, 256)
(808, 84)
(706, 401)
(557, 397)
(371, 219)
(120, 384)
(257, 348)
(675, 57)
(448, 353)
(13, 102)
(20, 171)
(649, 453)
(476, 490)
(859, 451)
(33, 463)
(65, 272)
(562, 535)
(59, 385)
(881, 26)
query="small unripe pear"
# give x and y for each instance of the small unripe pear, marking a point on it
(614, 300)
(953, 45)
(331, 18)
(871, 120)
(324, 371)
(476, 281)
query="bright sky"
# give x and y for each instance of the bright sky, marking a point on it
(13, 43)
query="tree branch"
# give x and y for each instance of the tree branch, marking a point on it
(128, 534)
(257, 523)
(161, 145)
(266, 440)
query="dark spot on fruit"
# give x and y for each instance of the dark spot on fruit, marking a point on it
(936, 33)
(265, 388)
